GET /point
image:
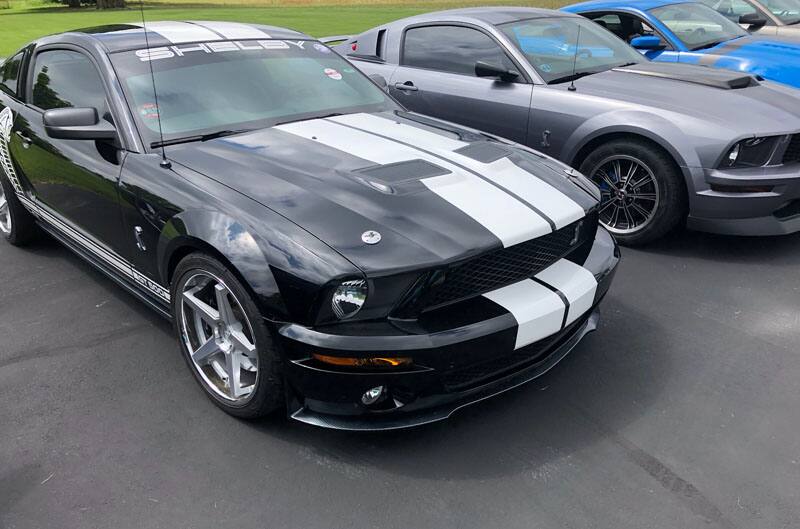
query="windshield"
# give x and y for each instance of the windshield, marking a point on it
(550, 46)
(697, 25)
(787, 10)
(230, 86)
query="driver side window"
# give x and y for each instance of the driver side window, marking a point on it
(625, 26)
(453, 49)
(65, 78)
(732, 9)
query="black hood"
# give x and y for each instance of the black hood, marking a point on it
(434, 193)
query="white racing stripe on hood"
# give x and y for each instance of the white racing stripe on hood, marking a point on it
(561, 209)
(181, 32)
(538, 310)
(575, 282)
(509, 219)
(233, 30)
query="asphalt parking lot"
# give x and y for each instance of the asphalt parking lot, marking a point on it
(682, 411)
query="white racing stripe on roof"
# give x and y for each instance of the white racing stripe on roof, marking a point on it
(538, 310)
(232, 30)
(507, 218)
(575, 282)
(561, 209)
(181, 32)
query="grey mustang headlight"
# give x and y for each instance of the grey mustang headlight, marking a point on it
(348, 298)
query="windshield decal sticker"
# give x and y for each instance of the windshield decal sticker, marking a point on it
(321, 48)
(168, 52)
(148, 111)
(333, 74)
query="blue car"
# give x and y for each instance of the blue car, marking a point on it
(693, 33)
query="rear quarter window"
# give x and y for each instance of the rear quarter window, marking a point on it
(9, 74)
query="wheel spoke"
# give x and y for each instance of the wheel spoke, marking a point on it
(209, 348)
(241, 343)
(602, 174)
(628, 216)
(224, 305)
(233, 369)
(643, 212)
(207, 313)
(631, 172)
(644, 196)
(606, 205)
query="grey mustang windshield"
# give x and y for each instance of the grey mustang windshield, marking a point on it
(550, 45)
(697, 25)
(210, 89)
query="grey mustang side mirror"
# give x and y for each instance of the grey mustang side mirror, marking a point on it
(754, 20)
(77, 124)
(485, 69)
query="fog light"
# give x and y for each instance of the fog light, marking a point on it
(363, 362)
(371, 396)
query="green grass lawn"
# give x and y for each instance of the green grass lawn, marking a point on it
(27, 20)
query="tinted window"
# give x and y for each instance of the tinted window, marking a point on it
(248, 84)
(627, 27)
(9, 73)
(733, 9)
(66, 79)
(697, 25)
(557, 47)
(451, 49)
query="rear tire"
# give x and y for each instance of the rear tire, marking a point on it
(224, 339)
(643, 191)
(17, 225)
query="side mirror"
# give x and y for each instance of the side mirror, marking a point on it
(649, 42)
(380, 80)
(484, 69)
(77, 124)
(754, 20)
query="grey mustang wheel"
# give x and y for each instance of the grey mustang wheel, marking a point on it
(5, 213)
(219, 338)
(630, 195)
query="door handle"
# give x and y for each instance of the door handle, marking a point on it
(26, 141)
(408, 86)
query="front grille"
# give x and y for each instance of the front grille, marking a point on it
(792, 153)
(508, 265)
(523, 358)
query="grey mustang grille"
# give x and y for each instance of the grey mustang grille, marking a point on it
(792, 153)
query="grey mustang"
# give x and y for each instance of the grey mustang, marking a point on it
(666, 143)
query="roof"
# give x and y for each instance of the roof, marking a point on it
(642, 5)
(121, 37)
(495, 15)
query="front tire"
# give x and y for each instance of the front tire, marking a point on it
(224, 339)
(16, 223)
(642, 189)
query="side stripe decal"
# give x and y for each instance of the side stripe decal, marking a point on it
(98, 250)
(509, 219)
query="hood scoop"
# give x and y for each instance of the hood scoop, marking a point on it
(715, 78)
(401, 178)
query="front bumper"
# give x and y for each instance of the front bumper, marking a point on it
(736, 211)
(453, 367)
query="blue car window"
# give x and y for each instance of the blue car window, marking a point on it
(553, 48)
(697, 26)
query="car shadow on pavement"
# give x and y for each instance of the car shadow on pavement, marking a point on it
(726, 248)
(607, 382)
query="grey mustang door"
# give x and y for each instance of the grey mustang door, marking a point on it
(436, 77)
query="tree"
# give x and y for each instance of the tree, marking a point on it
(110, 4)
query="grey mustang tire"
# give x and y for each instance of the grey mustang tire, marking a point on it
(224, 339)
(16, 224)
(643, 192)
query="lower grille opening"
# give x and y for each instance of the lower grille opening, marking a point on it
(792, 209)
(792, 153)
(481, 373)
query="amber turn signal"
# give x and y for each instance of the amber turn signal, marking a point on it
(379, 361)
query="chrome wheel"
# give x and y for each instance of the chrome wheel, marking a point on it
(629, 193)
(5, 213)
(219, 338)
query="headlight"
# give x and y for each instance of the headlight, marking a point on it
(754, 152)
(348, 298)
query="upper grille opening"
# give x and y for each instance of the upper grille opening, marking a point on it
(505, 266)
(792, 153)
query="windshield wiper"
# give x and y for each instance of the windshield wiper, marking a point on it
(570, 77)
(198, 137)
(331, 115)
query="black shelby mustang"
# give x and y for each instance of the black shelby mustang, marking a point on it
(318, 247)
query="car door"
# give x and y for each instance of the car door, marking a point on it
(75, 179)
(436, 76)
